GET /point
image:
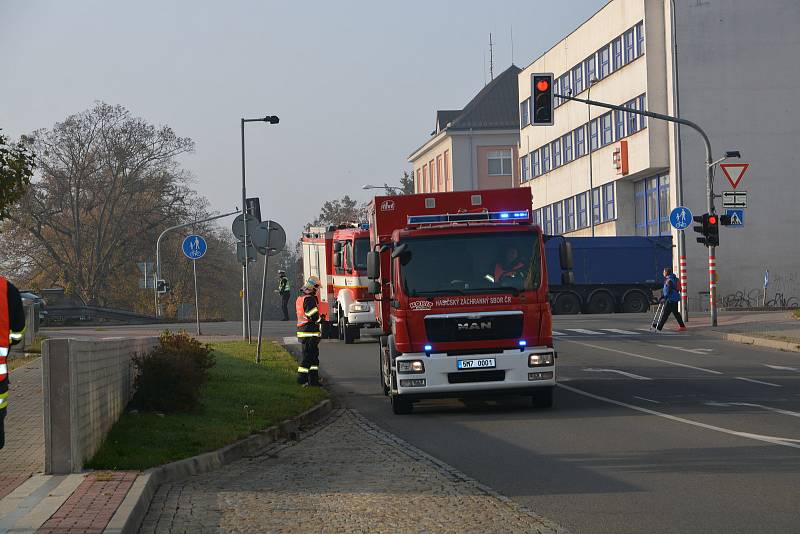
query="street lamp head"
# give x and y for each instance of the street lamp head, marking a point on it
(733, 154)
(367, 186)
(272, 119)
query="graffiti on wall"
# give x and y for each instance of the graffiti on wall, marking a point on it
(782, 292)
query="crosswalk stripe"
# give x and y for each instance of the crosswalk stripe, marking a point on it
(619, 331)
(584, 331)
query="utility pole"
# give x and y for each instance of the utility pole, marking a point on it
(710, 163)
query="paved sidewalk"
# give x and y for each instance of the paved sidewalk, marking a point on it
(346, 475)
(23, 454)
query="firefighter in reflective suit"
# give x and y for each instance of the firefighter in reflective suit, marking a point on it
(12, 327)
(308, 332)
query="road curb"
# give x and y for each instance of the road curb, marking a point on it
(764, 342)
(130, 514)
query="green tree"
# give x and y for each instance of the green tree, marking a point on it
(16, 169)
(340, 211)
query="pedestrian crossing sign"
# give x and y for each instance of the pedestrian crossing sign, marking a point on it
(737, 218)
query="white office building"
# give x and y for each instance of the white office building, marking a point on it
(602, 172)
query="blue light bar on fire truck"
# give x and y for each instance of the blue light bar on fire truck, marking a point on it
(496, 216)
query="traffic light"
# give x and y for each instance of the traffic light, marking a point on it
(709, 228)
(542, 99)
(162, 286)
(254, 207)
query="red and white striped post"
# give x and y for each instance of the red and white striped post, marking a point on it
(684, 277)
(712, 284)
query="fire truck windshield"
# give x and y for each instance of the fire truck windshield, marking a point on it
(362, 247)
(471, 263)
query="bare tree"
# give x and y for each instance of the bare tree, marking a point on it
(16, 169)
(107, 182)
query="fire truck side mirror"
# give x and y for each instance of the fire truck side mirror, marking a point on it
(337, 259)
(373, 265)
(373, 287)
(565, 253)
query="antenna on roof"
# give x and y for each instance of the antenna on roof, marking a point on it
(484, 67)
(491, 58)
(512, 44)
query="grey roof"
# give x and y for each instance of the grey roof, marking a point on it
(496, 106)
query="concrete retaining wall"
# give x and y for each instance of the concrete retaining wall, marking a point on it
(86, 386)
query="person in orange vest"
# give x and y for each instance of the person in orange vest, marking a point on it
(12, 328)
(308, 332)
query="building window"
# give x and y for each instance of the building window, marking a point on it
(556, 100)
(639, 39)
(663, 205)
(537, 217)
(652, 206)
(583, 214)
(577, 79)
(523, 113)
(536, 164)
(499, 163)
(432, 176)
(642, 107)
(608, 202)
(569, 214)
(565, 86)
(447, 177)
(545, 156)
(616, 53)
(593, 135)
(440, 174)
(555, 148)
(418, 183)
(580, 141)
(524, 166)
(547, 217)
(629, 46)
(604, 62)
(558, 218)
(606, 131)
(596, 205)
(425, 179)
(633, 122)
(566, 147)
(590, 68)
(619, 124)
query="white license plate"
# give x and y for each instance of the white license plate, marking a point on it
(483, 363)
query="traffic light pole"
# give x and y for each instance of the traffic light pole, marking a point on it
(712, 259)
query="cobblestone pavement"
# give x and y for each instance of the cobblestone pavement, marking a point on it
(345, 475)
(23, 454)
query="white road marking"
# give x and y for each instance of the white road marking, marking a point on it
(558, 333)
(750, 404)
(618, 331)
(711, 371)
(781, 368)
(645, 399)
(584, 331)
(655, 333)
(623, 373)
(702, 352)
(757, 381)
(785, 442)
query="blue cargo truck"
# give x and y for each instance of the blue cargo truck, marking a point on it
(610, 274)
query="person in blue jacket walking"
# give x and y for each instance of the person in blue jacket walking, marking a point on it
(670, 296)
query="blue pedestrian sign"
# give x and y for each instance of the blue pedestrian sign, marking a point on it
(194, 247)
(737, 218)
(680, 218)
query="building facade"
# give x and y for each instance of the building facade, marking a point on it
(605, 172)
(474, 147)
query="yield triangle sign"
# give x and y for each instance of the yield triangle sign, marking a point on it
(734, 172)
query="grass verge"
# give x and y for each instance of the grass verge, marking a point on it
(796, 313)
(241, 397)
(16, 363)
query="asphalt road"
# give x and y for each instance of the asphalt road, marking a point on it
(650, 433)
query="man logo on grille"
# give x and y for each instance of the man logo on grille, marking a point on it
(485, 325)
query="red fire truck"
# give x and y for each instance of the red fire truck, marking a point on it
(337, 256)
(460, 286)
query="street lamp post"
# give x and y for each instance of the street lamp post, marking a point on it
(271, 119)
(389, 189)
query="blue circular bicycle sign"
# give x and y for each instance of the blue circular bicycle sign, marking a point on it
(680, 218)
(194, 247)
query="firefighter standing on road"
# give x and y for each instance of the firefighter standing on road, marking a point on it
(12, 326)
(670, 296)
(308, 332)
(284, 290)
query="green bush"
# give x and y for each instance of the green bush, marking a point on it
(170, 378)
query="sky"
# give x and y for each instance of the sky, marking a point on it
(356, 84)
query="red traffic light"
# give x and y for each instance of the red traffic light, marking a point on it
(712, 219)
(542, 85)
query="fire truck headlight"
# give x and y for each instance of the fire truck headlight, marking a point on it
(540, 360)
(411, 366)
